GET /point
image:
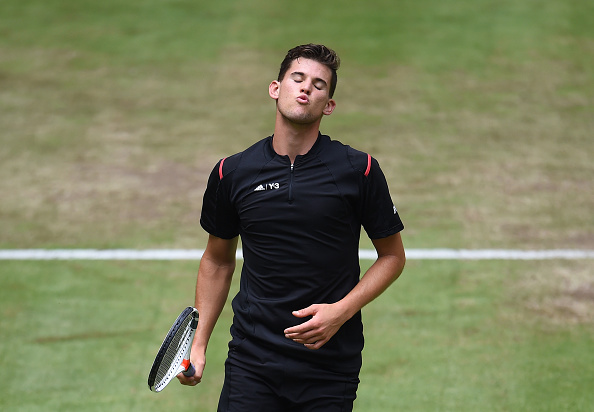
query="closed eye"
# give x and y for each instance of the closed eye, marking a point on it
(298, 77)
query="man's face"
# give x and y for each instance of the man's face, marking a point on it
(303, 94)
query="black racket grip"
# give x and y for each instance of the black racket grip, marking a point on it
(190, 371)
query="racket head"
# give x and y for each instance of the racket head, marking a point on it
(174, 349)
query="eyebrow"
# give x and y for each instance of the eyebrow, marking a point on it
(317, 79)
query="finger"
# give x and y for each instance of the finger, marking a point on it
(305, 341)
(299, 329)
(304, 335)
(188, 380)
(315, 345)
(301, 313)
(310, 335)
(192, 381)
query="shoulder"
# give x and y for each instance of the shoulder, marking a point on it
(252, 156)
(350, 157)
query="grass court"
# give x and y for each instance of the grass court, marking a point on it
(480, 113)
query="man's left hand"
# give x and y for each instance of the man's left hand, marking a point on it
(314, 333)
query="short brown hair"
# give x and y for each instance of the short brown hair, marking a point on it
(316, 52)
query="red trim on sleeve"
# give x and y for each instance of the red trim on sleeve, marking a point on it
(221, 168)
(368, 165)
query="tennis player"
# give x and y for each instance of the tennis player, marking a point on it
(298, 200)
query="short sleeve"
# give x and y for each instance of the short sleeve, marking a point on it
(219, 216)
(380, 217)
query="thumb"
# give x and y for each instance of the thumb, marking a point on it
(302, 313)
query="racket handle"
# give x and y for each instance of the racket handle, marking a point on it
(190, 371)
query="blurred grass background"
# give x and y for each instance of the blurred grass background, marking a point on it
(480, 113)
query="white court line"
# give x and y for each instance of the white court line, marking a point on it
(196, 254)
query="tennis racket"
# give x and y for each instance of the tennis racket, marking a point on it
(174, 355)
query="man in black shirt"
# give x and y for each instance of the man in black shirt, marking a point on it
(298, 200)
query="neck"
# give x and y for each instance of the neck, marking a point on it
(292, 139)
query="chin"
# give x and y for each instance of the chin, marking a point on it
(301, 118)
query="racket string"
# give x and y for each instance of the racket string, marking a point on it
(174, 354)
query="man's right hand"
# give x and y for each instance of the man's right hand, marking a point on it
(199, 363)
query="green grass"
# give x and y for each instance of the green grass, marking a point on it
(459, 336)
(480, 113)
(467, 336)
(82, 336)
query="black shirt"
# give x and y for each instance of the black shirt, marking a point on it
(299, 226)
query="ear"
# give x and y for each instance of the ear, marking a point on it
(273, 89)
(330, 106)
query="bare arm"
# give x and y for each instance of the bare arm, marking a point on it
(212, 289)
(384, 271)
(328, 318)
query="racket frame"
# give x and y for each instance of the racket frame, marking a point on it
(181, 360)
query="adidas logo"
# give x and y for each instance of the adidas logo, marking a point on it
(267, 186)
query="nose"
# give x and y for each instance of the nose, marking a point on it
(306, 87)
